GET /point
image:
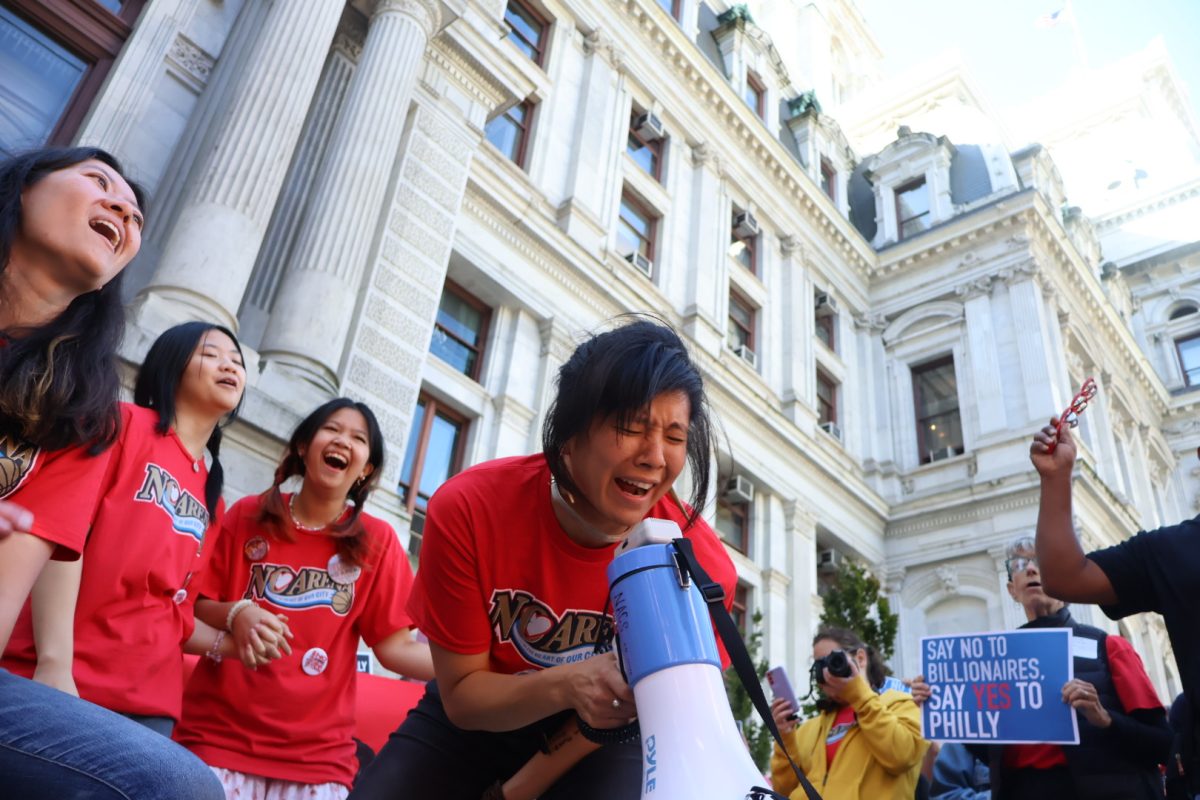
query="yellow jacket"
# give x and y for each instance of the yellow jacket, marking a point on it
(879, 758)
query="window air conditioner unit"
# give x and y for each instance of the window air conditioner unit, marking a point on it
(829, 561)
(748, 355)
(640, 261)
(739, 490)
(826, 306)
(943, 453)
(649, 127)
(745, 226)
(832, 429)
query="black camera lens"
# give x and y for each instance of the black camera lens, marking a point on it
(838, 663)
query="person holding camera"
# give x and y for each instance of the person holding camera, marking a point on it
(864, 743)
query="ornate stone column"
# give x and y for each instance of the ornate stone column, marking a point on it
(306, 334)
(235, 180)
(1034, 344)
(707, 292)
(297, 190)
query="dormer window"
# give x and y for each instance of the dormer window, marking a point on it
(912, 208)
(828, 179)
(755, 94)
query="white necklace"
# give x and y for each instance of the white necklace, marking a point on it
(299, 525)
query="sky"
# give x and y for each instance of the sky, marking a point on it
(1014, 61)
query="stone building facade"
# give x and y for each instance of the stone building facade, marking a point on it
(426, 203)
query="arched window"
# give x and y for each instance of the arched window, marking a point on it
(1183, 311)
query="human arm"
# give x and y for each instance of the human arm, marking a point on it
(475, 698)
(566, 748)
(1067, 573)
(401, 653)
(259, 636)
(14, 518)
(22, 557)
(52, 609)
(783, 777)
(954, 776)
(891, 731)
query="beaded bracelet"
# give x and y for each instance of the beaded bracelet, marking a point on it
(237, 608)
(214, 652)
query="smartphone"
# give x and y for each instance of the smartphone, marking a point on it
(781, 686)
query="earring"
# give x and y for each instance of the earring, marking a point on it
(566, 493)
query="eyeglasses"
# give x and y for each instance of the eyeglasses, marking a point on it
(1020, 564)
(1070, 416)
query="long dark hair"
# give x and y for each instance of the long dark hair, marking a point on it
(349, 532)
(618, 373)
(851, 642)
(158, 383)
(59, 381)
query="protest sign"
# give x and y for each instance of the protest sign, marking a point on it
(999, 688)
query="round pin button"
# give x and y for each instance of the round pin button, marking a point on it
(256, 548)
(180, 596)
(342, 572)
(315, 661)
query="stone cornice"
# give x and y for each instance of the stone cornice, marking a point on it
(426, 13)
(1148, 207)
(456, 62)
(712, 92)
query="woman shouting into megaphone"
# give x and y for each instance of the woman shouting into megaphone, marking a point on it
(512, 591)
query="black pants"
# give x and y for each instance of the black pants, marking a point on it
(430, 757)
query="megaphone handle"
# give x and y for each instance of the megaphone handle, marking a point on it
(566, 748)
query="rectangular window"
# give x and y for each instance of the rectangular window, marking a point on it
(460, 330)
(825, 329)
(636, 228)
(912, 208)
(828, 179)
(756, 94)
(528, 30)
(54, 56)
(935, 394)
(733, 524)
(670, 6)
(509, 132)
(1189, 358)
(744, 250)
(740, 329)
(826, 398)
(741, 602)
(645, 151)
(434, 453)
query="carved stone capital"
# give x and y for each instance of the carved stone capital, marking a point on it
(791, 245)
(426, 13)
(977, 287)
(597, 43)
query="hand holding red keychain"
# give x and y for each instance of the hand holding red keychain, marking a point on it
(1070, 416)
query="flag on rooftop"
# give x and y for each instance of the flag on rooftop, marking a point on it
(1050, 20)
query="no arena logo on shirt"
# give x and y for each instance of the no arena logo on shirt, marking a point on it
(540, 635)
(308, 588)
(188, 515)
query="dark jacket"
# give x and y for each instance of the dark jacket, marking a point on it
(1115, 763)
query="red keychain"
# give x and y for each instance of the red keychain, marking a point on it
(1070, 417)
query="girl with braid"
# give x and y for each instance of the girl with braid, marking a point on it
(112, 627)
(285, 730)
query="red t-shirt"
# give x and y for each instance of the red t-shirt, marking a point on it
(61, 487)
(845, 720)
(283, 721)
(135, 605)
(1133, 688)
(498, 574)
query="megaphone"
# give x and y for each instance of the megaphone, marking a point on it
(691, 747)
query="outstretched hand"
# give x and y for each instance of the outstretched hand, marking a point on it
(1062, 459)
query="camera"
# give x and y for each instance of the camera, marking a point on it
(837, 662)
